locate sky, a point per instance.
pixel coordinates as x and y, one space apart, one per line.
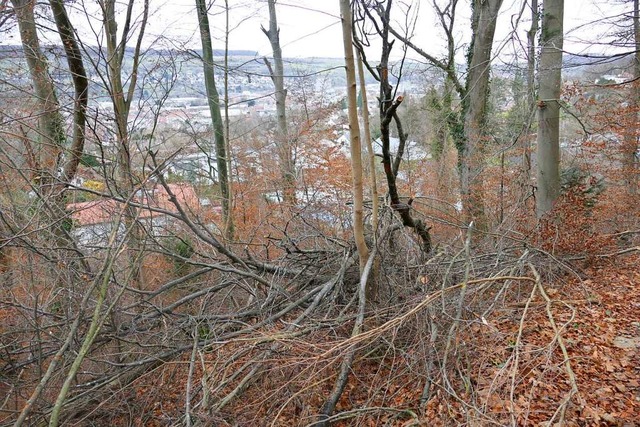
311 28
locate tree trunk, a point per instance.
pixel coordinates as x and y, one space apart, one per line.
121 99
50 155
550 81
229 226
372 285
630 142
354 133
51 127
531 96
214 108
485 13
287 164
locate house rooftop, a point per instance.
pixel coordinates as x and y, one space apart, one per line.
153 198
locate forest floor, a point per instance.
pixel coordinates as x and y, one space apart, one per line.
565 353
598 323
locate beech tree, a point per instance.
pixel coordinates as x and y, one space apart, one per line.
550 82
630 139
355 146
52 160
283 141
213 99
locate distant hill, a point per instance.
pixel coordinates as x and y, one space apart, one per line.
15 50
220 52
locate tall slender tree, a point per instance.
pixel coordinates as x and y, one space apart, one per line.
484 18
54 161
354 133
229 226
57 161
214 107
122 91
531 91
550 82
284 149
630 140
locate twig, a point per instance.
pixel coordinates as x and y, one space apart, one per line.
192 362
397 321
516 351
463 292
567 363
355 412
345 367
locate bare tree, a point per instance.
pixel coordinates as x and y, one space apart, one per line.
550 81
354 134
229 224
53 161
484 18
122 91
214 107
468 126
284 149
531 92
389 116
630 142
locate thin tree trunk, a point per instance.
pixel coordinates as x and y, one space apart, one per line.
388 108
531 95
372 288
354 133
214 107
121 100
229 224
51 126
287 164
550 81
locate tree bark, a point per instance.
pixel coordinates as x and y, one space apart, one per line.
285 154
214 107
50 157
531 94
485 14
630 140
550 82
354 133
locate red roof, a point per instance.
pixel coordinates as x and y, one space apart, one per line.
105 210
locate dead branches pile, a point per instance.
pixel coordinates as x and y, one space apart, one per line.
230 338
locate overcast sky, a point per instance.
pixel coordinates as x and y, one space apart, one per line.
311 28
